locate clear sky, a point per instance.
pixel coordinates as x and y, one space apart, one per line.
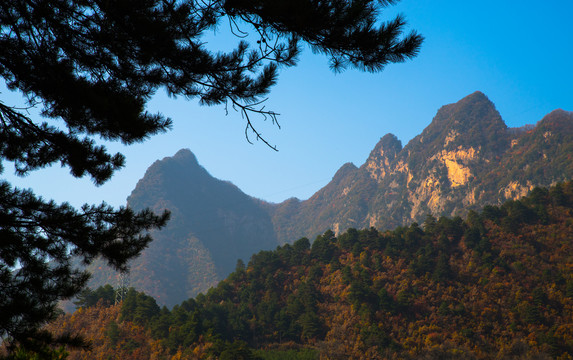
519 53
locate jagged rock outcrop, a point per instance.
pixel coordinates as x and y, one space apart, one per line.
382 156
466 158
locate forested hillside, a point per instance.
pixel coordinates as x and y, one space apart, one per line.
497 284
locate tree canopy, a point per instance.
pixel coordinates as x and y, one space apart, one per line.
92 65
448 289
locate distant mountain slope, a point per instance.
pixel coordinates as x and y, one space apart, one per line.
466 158
213 224
497 285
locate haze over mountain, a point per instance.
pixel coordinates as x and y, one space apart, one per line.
466 158
213 224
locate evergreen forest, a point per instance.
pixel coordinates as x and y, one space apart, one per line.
495 285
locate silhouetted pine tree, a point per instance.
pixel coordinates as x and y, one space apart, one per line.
94 65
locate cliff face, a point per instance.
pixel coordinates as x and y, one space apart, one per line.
382 156
445 163
466 158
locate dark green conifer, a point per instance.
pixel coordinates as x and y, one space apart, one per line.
93 65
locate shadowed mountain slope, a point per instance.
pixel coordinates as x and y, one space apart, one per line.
213 224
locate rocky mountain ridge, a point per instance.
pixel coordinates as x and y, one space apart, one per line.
465 159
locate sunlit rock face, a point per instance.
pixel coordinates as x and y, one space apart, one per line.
382 157
465 158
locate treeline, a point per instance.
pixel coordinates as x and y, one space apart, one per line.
498 284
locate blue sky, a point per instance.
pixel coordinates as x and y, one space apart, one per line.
519 53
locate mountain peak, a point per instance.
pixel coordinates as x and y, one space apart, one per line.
184 155
557 121
389 145
558 115
473 121
344 171
475 96
213 223
382 156
472 110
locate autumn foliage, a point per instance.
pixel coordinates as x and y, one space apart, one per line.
497 285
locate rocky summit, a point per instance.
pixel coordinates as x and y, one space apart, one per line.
466 158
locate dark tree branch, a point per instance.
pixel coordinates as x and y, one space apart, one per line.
93 65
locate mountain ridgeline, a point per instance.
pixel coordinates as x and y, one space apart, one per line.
465 159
